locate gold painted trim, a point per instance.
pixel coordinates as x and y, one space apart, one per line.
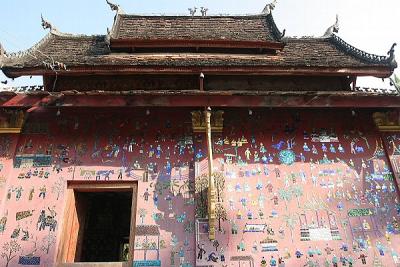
10 130
383 128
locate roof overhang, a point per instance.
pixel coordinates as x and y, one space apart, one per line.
379 72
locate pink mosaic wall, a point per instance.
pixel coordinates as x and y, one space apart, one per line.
303 187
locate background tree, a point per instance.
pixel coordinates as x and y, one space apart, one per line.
219 179
221 214
291 221
315 205
58 187
345 223
201 186
174 187
189 227
184 188
48 241
297 191
396 81
285 195
142 214
10 250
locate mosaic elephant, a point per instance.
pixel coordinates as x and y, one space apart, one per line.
51 222
46 221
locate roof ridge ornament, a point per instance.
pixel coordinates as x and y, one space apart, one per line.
2 51
203 11
371 58
269 7
115 7
332 29
108 37
192 11
283 34
391 59
47 25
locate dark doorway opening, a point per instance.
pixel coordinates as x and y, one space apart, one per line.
104 219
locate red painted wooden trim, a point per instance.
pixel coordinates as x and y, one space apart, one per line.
123 43
272 100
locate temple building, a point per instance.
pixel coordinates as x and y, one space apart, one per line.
198 140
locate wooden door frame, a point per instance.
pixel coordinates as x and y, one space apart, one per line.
67 245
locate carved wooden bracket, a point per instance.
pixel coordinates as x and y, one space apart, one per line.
387 121
11 121
198 121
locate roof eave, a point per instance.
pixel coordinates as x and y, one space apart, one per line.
377 71
342 45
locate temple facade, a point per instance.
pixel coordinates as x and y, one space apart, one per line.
198 141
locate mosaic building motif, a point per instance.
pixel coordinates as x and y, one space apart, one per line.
298 189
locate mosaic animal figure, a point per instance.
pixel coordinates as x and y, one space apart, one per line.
96 154
105 174
46 221
279 145
87 174
359 149
51 222
212 257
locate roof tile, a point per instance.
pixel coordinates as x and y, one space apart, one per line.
227 28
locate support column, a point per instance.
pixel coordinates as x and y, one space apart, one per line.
211 183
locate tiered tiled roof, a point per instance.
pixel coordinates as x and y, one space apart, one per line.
93 52
227 28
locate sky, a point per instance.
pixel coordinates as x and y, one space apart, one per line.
372 26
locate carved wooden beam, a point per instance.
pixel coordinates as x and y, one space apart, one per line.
387 121
12 121
199 121
206 98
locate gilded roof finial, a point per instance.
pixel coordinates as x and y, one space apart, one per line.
114 7
269 7
332 29
47 25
